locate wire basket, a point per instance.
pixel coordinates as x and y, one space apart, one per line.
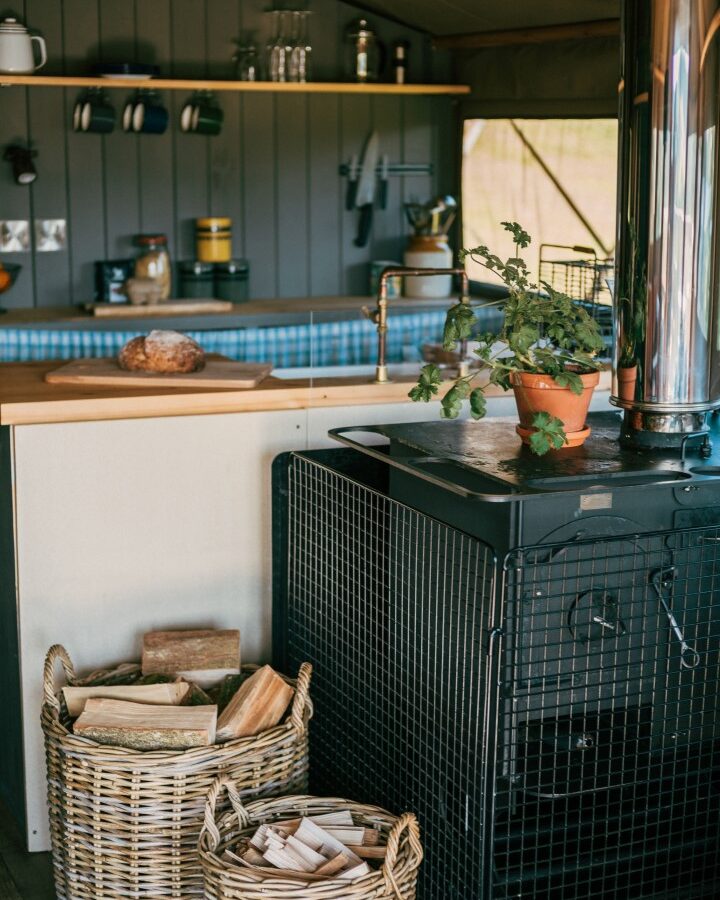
395 880
584 277
125 823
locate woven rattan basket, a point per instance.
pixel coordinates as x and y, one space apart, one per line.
396 880
125 823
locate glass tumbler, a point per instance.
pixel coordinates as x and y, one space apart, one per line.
277 47
300 52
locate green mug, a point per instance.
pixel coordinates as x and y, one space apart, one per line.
207 118
201 115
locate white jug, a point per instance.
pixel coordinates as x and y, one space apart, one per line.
16 50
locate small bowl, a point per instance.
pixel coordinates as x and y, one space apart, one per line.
11 269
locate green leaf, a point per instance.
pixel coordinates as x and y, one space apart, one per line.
451 403
458 325
427 386
570 380
521 237
478 404
539 443
500 377
522 339
549 433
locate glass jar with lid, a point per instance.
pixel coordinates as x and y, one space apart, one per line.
153 261
364 52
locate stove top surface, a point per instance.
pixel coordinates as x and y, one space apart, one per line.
486 460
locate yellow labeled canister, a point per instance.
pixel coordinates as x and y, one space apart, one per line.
213 239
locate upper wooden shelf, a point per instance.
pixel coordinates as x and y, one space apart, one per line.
185 84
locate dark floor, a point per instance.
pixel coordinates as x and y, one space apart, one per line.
23 876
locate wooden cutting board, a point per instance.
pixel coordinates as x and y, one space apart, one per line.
218 373
169 308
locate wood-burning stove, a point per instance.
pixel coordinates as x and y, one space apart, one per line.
525 652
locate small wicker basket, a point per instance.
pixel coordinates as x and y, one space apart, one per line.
396 880
125 823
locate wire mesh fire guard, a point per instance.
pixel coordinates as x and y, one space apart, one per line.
552 716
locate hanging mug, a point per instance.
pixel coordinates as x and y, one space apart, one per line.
201 115
149 116
207 119
93 113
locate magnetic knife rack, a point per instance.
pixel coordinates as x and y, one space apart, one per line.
393 169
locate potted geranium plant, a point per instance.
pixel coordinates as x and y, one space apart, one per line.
545 352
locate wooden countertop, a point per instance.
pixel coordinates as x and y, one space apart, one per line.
26 399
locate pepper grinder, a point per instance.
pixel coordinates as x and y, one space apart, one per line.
399 60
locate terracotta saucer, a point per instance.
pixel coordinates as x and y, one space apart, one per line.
574 438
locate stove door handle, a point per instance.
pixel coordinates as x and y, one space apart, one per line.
662 580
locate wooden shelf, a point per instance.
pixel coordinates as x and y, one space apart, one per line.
185 84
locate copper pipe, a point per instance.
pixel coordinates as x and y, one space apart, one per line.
380 314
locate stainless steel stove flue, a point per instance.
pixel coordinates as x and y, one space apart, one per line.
667 288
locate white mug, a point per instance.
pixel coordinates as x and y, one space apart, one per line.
16 49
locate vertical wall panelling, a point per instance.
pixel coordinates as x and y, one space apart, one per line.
356 123
258 152
273 169
258 149
15 199
326 25
122 176
389 224
417 147
447 143
46 126
84 179
224 25
326 194
155 151
292 199
189 34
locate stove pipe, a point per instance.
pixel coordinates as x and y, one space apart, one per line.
667 280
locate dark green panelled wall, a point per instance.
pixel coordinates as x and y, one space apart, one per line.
273 169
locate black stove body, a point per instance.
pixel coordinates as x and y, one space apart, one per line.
523 651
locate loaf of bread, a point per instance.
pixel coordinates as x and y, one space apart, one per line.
162 351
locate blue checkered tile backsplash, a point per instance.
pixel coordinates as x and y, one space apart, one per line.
324 344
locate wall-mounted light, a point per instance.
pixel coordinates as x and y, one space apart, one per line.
21 159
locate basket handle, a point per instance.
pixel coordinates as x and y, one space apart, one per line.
302 689
209 827
407 822
55 653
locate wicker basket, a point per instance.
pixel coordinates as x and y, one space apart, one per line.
396 880
125 823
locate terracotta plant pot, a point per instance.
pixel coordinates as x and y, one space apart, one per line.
627 379
541 393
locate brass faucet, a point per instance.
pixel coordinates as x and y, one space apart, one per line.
379 315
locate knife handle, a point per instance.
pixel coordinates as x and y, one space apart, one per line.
352 185
366 213
383 193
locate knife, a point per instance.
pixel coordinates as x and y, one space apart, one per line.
366 188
